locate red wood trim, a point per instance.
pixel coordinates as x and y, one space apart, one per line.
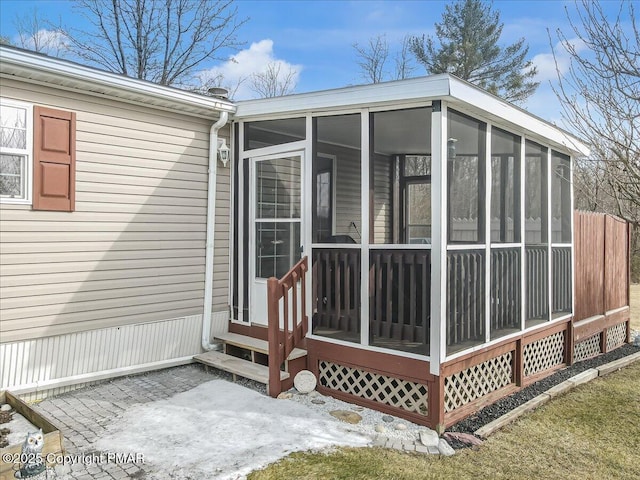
569 343
619 316
518 363
536 335
477 357
409 369
603 340
604 270
274 388
282 342
598 323
588 327
255 331
436 402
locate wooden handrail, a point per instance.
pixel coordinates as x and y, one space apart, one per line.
282 342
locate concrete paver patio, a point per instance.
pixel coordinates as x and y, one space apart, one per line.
84 414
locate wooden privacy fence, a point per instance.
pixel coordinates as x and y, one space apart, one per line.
601 264
602 278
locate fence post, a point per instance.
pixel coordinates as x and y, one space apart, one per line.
629 279
274 386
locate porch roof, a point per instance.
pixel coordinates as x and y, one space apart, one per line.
415 90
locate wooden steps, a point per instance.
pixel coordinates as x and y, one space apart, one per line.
239 366
254 344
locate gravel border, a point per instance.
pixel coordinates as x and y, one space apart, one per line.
410 431
504 405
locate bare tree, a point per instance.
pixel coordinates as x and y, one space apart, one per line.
404 59
274 80
38 34
372 58
600 96
158 40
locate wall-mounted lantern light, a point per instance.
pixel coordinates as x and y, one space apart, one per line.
451 148
223 151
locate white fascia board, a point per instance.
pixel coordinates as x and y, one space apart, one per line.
21 63
415 89
422 89
501 111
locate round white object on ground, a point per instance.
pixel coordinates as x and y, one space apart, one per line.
305 381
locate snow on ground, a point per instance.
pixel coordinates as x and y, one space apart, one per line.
221 430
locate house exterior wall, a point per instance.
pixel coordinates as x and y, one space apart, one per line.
347 190
133 250
382 195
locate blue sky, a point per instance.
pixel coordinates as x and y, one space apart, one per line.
316 37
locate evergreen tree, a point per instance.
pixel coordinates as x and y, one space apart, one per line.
466 45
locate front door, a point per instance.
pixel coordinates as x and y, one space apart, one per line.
276 207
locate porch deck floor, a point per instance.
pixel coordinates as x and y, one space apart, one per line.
387 343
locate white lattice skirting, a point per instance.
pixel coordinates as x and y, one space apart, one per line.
392 391
587 348
543 354
477 381
616 335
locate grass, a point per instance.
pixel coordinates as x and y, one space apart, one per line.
635 306
589 433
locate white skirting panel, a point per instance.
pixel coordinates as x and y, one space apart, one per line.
92 352
219 323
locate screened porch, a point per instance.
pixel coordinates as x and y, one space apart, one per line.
429 229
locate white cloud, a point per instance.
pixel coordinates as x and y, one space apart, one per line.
236 72
51 42
548 67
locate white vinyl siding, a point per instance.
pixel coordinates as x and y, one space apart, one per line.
347 190
382 215
134 249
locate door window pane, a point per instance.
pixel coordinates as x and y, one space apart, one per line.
278 188
277 248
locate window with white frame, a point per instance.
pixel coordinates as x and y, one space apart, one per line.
15 151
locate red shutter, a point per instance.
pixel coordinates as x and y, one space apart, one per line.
54 160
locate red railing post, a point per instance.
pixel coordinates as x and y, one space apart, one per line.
277 289
274 387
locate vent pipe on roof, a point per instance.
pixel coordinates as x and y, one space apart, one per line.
211 221
218 92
